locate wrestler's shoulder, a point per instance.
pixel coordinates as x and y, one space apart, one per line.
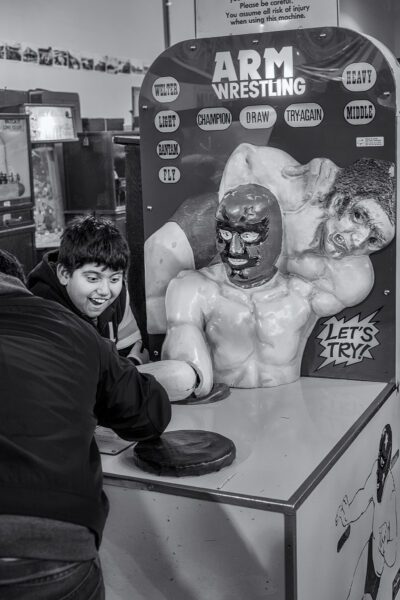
206 275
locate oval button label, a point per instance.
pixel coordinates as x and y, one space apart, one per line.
168 149
169 174
214 118
304 114
167 120
257 117
359 112
165 89
359 77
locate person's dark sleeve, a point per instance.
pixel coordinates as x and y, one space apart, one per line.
133 404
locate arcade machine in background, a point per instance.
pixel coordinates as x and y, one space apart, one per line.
17 229
95 177
54 119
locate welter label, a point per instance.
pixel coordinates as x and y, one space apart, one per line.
304 115
257 117
168 149
359 77
359 112
167 121
165 89
213 119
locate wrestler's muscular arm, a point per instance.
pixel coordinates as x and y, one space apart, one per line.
185 304
336 283
264 166
292 183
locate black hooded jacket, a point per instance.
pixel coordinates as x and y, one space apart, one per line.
58 380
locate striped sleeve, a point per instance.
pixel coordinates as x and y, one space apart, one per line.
128 330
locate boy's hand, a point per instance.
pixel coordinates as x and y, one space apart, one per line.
139 353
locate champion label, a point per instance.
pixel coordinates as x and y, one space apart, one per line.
359 112
257 117
165 89
168 149
214 118
359 77
304 114
167 120
169 174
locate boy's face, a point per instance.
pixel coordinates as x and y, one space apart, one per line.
91 288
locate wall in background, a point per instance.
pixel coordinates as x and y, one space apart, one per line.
380 19
130 29
121 28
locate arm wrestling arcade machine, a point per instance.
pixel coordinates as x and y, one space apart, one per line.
231 128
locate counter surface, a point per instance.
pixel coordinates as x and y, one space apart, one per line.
281 435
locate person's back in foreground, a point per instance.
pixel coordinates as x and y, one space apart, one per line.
87 275
59 378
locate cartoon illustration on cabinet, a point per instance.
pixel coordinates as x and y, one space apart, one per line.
375 500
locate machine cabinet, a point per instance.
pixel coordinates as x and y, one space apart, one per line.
95 177
270 525
17 230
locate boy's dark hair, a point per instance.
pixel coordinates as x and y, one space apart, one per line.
93 240
10 265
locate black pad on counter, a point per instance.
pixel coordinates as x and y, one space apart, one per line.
185 452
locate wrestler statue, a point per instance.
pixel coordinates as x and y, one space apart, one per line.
241 321
330 214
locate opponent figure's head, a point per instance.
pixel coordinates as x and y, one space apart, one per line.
360 209
249 234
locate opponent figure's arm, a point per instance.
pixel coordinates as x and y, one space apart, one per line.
185 340
166 252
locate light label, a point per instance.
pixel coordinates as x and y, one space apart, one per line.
167 120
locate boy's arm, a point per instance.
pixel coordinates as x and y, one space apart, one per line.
133 404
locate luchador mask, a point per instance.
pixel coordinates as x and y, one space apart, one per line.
249 234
